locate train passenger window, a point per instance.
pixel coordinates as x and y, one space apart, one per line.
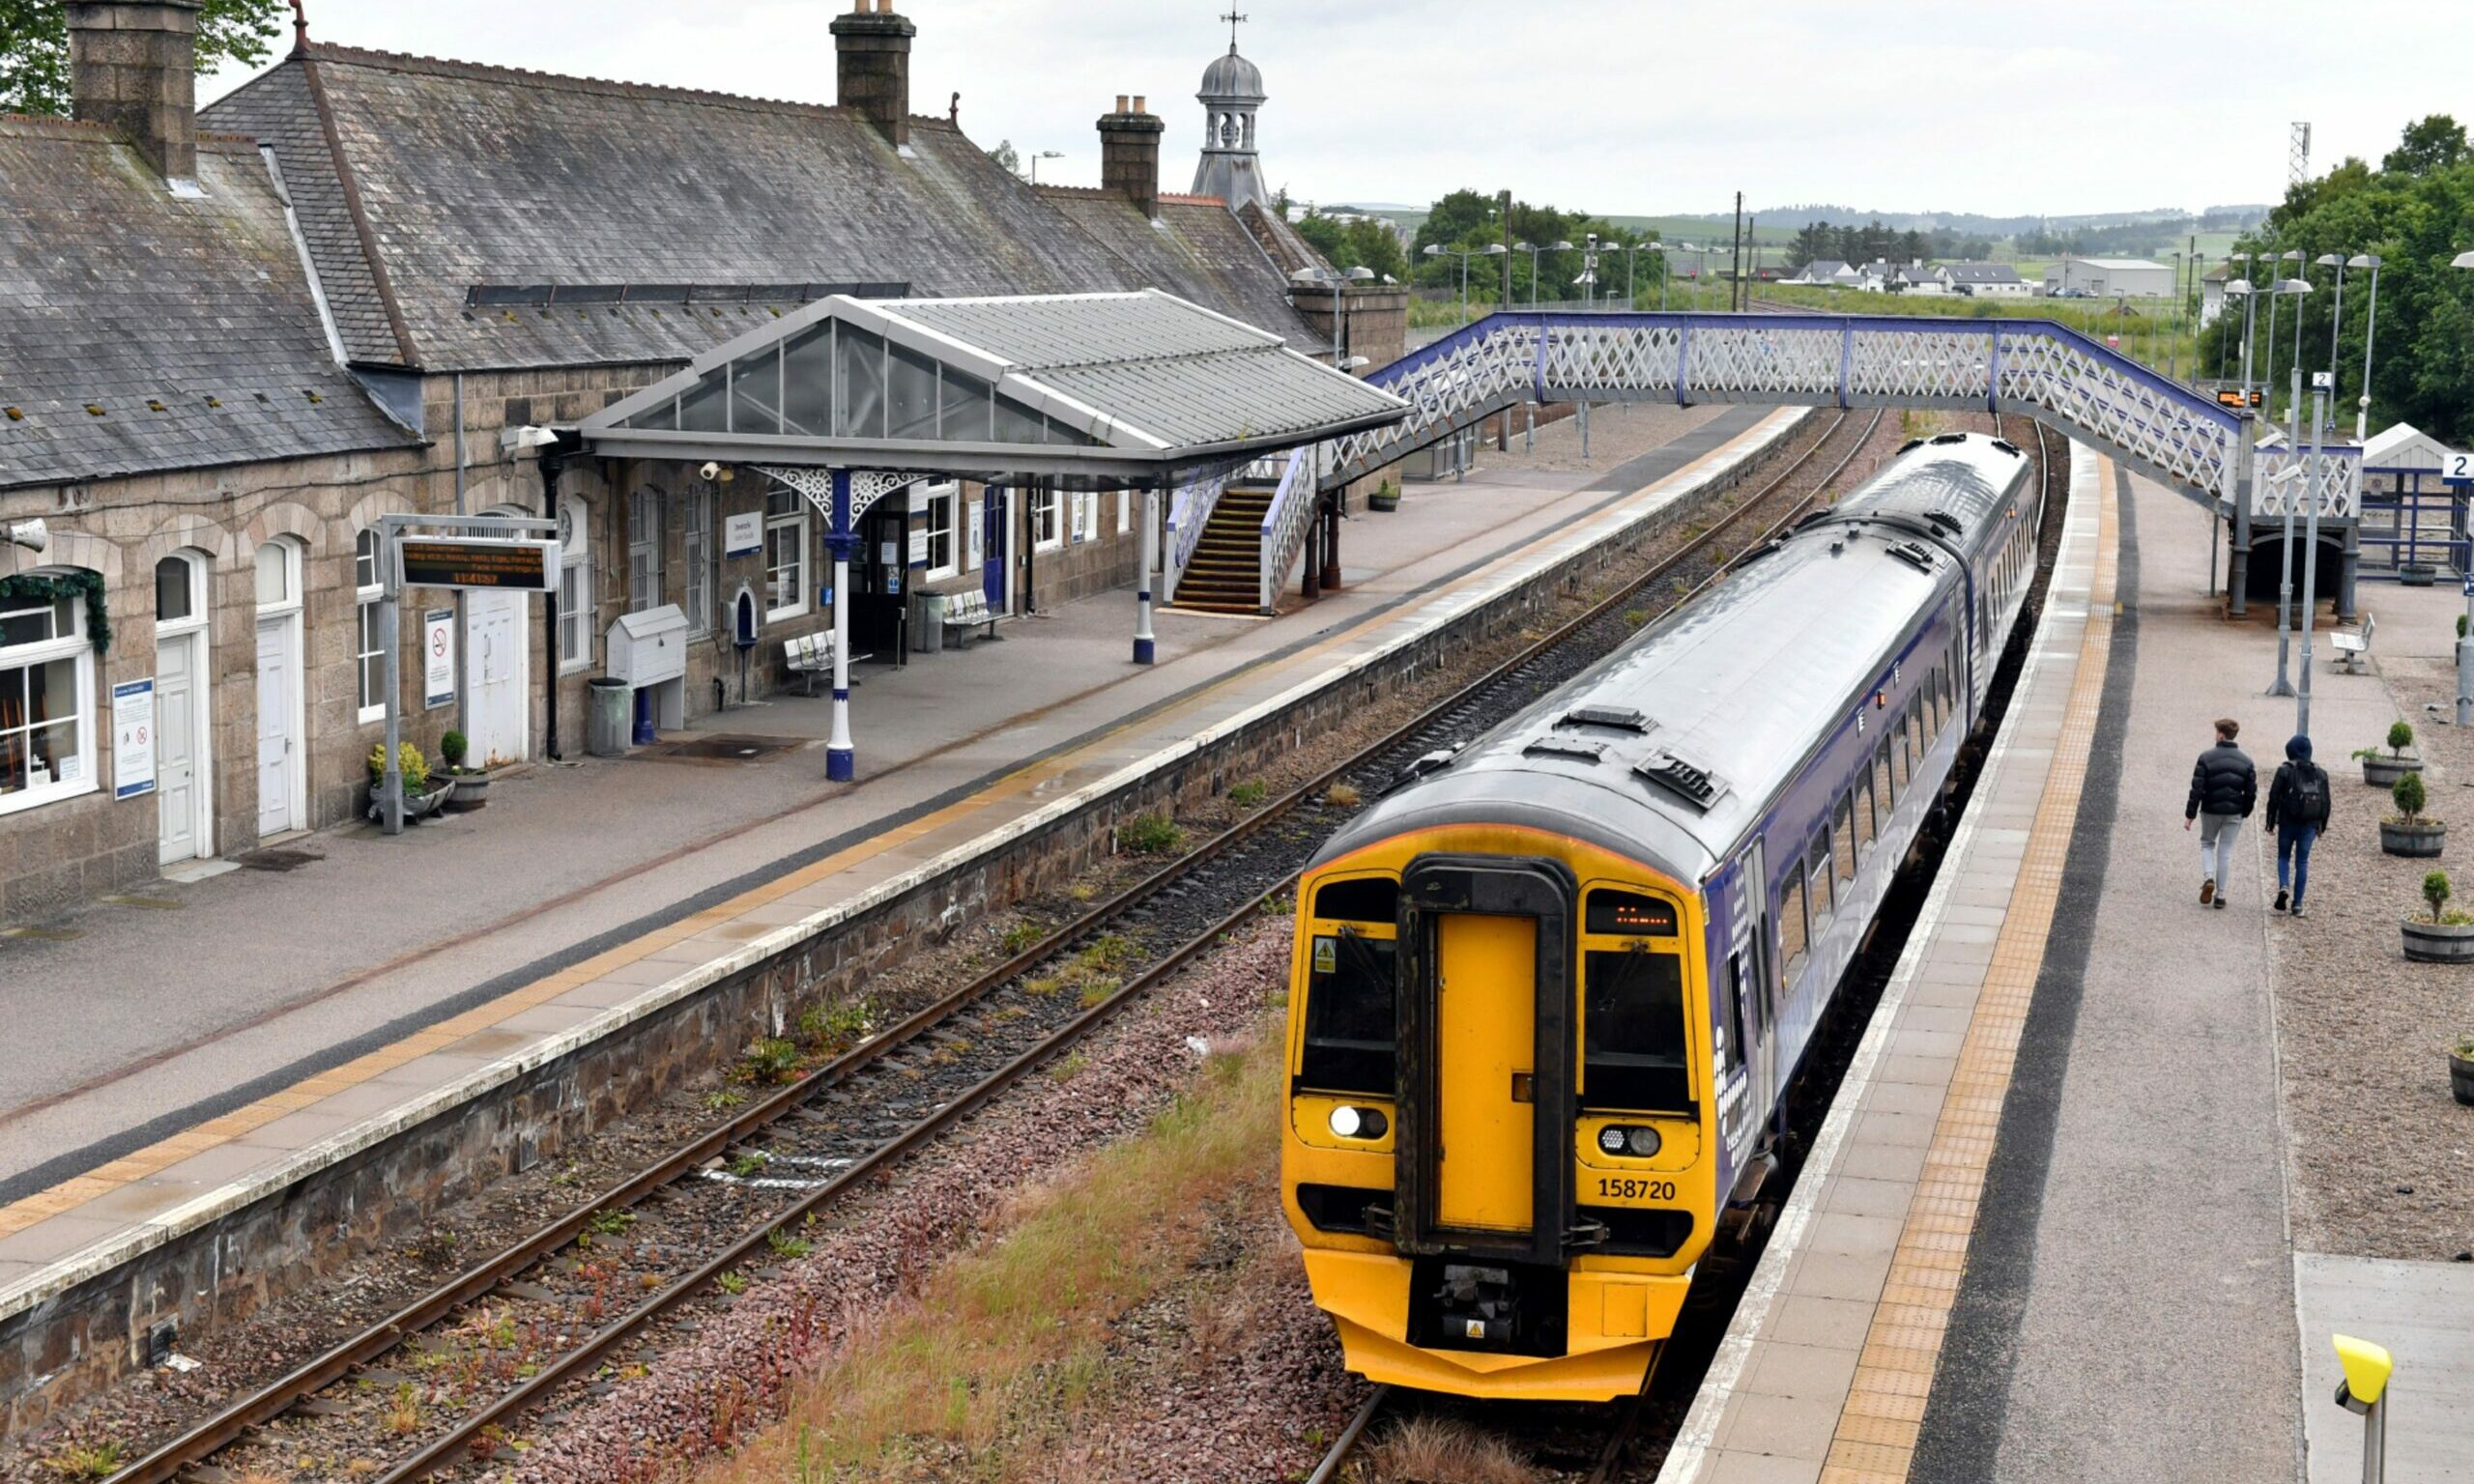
1842 825
1350 1015
1738 991
1817 875
1916 731
1792 930
1867 826
1364 900
1632 1037
1885 787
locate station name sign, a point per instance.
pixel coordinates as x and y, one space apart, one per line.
522 567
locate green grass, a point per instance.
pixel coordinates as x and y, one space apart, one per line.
2143 327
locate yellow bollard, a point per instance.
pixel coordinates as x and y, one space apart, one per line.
2364 1389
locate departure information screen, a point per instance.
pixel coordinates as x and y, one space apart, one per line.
1629 915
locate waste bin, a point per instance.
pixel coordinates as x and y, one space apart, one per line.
932 622
605 720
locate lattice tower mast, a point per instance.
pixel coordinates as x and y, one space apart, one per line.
2297 167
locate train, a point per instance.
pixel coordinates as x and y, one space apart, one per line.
1548 989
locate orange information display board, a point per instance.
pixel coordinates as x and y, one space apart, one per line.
429 561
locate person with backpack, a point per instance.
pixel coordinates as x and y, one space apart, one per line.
2223 787
2298 801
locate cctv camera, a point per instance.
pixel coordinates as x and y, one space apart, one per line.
709 472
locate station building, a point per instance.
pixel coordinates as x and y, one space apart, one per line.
369 284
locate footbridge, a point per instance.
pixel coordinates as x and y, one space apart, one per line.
2033 368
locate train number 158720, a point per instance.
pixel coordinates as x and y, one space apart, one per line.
1623 1188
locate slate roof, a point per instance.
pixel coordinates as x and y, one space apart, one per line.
115 294
469 175
1195 249
1981 272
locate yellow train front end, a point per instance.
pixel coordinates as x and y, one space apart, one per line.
1500 1154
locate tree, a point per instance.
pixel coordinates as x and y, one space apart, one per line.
34 46
1007 157
2429 144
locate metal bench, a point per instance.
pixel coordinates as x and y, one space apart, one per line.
810 655
2353 648
967 610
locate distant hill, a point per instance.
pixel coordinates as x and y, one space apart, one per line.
1971 223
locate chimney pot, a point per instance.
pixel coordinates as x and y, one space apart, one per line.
132 67
1120 103
1137 104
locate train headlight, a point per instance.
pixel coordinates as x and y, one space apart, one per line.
1638 1140
1351 1123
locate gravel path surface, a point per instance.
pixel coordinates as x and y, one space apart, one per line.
2382 1156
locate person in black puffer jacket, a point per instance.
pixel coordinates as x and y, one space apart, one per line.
2298 802
2223 787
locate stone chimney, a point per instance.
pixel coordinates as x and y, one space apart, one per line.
872 48
1129 155
132 67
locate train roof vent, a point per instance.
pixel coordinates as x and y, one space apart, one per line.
1913 555
1578 749
1432 762
1944 519
1911 444
1950 438
2009 447
1695 785
1622 718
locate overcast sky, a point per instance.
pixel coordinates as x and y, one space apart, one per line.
1614 106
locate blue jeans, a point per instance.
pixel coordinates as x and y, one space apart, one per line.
2293 848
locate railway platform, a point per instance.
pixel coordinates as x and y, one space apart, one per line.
2057 1226
317 1013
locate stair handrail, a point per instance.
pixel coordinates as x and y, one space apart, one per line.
1288 520
1189 510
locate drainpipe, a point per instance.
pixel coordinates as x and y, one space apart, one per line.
554 463
463 691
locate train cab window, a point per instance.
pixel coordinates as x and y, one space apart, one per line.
1350 1014
1362 900
1817 875
1867 824
1632 1030
1792 930
1842 827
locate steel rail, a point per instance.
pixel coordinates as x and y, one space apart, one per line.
1346 1444
235 1421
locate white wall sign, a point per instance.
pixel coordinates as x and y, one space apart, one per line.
2456 467
978 533
919 548
133 738
743 534
438 658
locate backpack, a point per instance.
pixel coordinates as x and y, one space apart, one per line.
2307 800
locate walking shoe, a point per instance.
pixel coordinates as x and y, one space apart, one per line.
2297 910
2220 904
2280 899
2207 891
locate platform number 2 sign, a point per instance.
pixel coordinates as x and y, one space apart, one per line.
2456 467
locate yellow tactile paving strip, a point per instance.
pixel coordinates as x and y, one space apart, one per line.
238 1125
1874 1441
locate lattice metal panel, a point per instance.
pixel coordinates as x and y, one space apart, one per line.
1450 383
1908 366
1620 357
2337 482
1760 363
2096 394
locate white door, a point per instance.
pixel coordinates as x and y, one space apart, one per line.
279 713
497 665
180 764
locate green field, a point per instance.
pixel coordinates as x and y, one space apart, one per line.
2145 329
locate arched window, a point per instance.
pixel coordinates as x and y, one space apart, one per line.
279 577
46 692
180 596
575 587
369 658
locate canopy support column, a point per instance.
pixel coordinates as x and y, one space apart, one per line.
841 758
1145 650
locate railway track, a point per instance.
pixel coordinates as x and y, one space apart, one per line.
546 1312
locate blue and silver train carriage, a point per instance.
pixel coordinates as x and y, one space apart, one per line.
1545 997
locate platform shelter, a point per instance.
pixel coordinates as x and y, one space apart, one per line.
848 400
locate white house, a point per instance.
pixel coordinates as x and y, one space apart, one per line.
1827 272
2109 278
1998 280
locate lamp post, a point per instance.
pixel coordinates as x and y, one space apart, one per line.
2336 320
2464 641
1464 254
2323 382
1040 155
1530 248
2276 267
2231 280
2173 326
2371 329
2293 451
1559 246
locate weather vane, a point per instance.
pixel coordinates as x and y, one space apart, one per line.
1232 17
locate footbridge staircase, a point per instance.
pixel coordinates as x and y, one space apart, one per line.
2034 369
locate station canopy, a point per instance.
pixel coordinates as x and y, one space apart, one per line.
1127 387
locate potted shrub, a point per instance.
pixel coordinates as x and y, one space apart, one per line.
2406 831
2446 935
1386 497
471 785
2461 1069
424 795
2382 772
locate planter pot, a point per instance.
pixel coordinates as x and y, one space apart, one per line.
2383 772
1383 502
2438 942
2420 839
417 806
2415 573
2461 1078
471 793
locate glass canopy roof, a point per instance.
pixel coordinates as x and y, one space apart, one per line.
1102 384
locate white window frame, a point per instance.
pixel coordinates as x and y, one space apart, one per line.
576 606
644 549
793 518
75 646
1048 523
368 549
943 506
695 552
